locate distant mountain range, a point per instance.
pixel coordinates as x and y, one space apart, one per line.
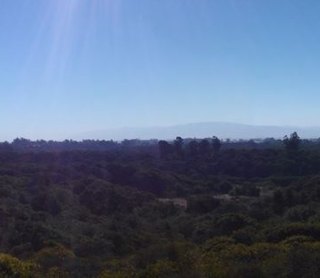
202 130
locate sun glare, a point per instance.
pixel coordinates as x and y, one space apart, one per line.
66 25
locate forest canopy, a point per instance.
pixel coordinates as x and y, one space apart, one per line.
182 208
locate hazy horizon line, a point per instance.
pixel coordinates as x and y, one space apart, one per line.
119 133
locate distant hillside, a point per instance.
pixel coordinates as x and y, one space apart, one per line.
201 130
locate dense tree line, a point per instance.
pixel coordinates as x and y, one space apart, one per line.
182 208
190 145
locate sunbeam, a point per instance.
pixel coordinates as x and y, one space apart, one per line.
66 27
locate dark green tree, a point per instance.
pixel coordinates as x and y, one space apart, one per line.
165 149
178 146
216 144
292 143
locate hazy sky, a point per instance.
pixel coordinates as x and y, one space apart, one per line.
68 66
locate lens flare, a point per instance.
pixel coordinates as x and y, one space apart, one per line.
67 25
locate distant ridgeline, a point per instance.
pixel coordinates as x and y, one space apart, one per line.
187 145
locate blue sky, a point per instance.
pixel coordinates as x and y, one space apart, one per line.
69 66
